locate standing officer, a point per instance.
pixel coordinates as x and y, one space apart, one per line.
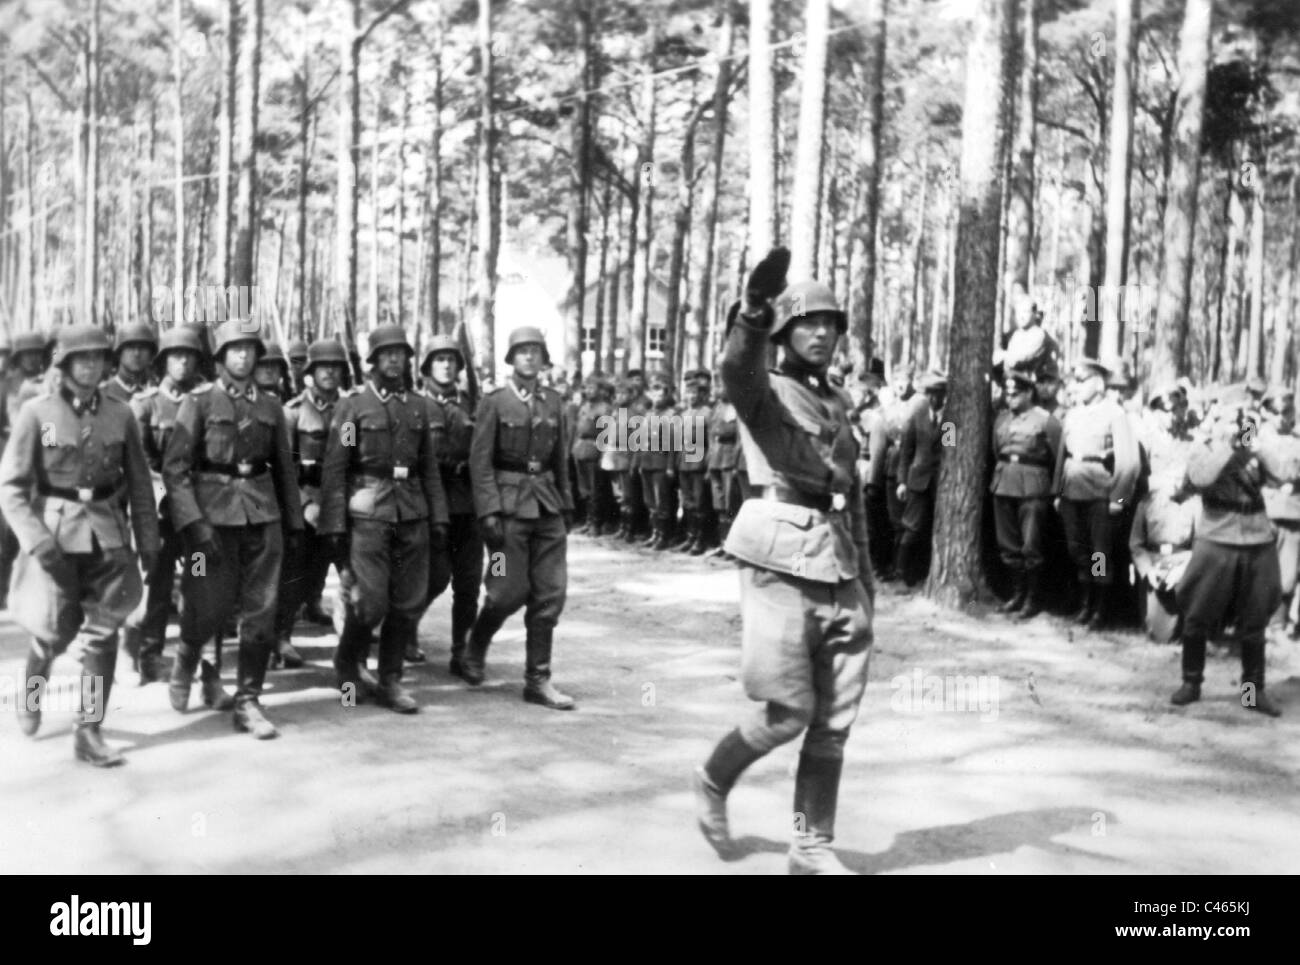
658 463
178 358
1025 441
1096 471
724 444
522 496
73 467
308 418
617 460
234 500
1160 545
806 591
384 508
919 452
133 354
453 426
586 454
693 465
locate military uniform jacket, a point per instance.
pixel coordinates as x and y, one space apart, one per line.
882 452
308 418
636 410
1162 532
228 461
694 454
920 447
793 433
724 437
71 473
120 391
1229 481
518 460
659 454
586 428
155 410
1024 445
1099 457
1279 453
453 431
381 462
18 390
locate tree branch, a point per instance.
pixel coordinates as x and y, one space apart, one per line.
383 15
67 105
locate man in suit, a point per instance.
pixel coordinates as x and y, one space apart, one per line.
920 450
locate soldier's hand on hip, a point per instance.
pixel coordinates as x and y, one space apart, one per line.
438 537
494 533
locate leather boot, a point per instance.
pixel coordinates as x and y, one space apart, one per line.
348 668
1100 608
1252 679
816 794
1017 599
214 695
724 527
96 684
687 535
313 612
538 688
395 697
133 643
412 653
701 544
627 533
1189 692
39 660
286 654
151 664
184 664
1033 595
655 535
713 782
249 718
472 663
1085 612
1193 671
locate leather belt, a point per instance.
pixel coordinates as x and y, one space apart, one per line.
242 470
1015 457
1247 505
532 467
795 497
1107 461
398 473
82 494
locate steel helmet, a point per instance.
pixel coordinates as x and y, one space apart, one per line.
137 333
440 343
297 350
75 339
804 298
235 331
326 351
274 353
527 335
388 336
181 339
28 342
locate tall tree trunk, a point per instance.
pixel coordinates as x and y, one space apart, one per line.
1020 200
349 132
762 131
146 212
1283 334
243 267
602 280
580 184
1255 271
916 316
615 293
373 300
1117 189
178 262
306 110
399 225
681 230
805 204
937 301
32 248
634 350
955 574
489 196
862 334
226 137
433 179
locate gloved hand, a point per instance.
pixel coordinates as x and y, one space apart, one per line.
200 538
55 563
494 532
438 537
337 546
767 280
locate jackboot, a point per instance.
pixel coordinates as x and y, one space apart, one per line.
313 612
39 660
151 665
702 542
348 669
627 528
88 743
1033 595
1085 612
538 688
395 697
1100 606
684 540
214 695
1017 599
1252 679
286 654
1193 672
250 719
472 663
184 664
724 527
713 782
656 534
816 794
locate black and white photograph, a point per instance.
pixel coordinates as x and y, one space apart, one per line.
651 437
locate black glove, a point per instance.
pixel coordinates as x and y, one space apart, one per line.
438 537
55 563
200 538
337 546
494 533
767 280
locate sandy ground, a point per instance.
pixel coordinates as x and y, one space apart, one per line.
1069 759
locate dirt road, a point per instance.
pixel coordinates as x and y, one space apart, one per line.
1050 754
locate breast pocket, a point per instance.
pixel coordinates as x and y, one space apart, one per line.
512 436
375 442
114 453
63 459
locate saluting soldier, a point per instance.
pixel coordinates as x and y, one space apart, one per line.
384 510
453 427
724 446
133 354
806 591
1096 471
234 501
693 465
179 354
72 471
308 418
1025 441
920 450
524 505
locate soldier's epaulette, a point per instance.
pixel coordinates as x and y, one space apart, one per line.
201 388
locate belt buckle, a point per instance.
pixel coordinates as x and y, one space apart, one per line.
244 468
838 502
308 462
1166 549
401 472
85 494
534 466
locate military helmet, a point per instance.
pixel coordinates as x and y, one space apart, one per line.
75 339
326 351
803 298
274 353
388 336
180 339
28 342
527 335
440 343
236 331
297 350
137 333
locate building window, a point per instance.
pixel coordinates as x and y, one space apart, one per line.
588 339
655 340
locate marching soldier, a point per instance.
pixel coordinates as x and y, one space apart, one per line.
308 418
693 466
1234 558
179 354
234 502
724 444
1096 471
806 591
523 501
73 469
1025 441
453 425
586 454
133 354
385 511
919 452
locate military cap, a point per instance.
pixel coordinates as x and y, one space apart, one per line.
662 377
28 342
274 353
1019 377
235 331
527 335
934 381
1048 368
326 351
699 375
179 339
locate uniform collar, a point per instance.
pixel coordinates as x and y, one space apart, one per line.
91 405
317 402
131 388
800 371
168 385
450 394
234 391
522 391
383 395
